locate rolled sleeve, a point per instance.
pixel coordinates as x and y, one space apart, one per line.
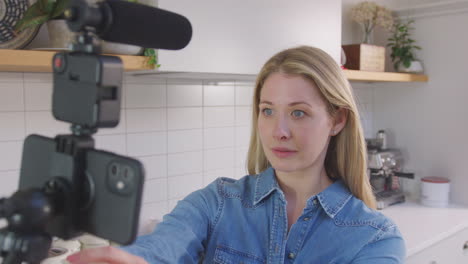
182 235
387 248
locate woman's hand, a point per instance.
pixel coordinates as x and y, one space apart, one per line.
110 255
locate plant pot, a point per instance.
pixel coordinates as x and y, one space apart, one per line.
415 67
60 36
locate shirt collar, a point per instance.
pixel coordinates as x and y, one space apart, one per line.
266 183
332 199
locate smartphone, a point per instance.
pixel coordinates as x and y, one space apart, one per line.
104 201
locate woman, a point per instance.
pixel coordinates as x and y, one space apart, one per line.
308 198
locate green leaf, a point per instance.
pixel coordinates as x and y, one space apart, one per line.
152 58
50 6
41 5
407 63
61 6
33 16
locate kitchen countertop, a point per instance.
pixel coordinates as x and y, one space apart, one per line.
424 226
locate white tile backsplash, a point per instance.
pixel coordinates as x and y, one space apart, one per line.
15 129
185 133
9 180
147 144
112 143
145 95
185 140
241 157
215 159
218 95
9 77
184 95
218 116
244 94
155 190
155 166
210 176
11 96
240 172
221 137
184 118
184 163
143 120
38 96
43 123
33 77
242 136
10 155
181 186
243 115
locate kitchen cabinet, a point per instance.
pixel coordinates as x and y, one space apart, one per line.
239 36
453 249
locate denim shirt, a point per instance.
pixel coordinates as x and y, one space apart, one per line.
245 221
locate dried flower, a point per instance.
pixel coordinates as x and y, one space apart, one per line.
369 15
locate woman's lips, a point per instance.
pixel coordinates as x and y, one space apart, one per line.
283 152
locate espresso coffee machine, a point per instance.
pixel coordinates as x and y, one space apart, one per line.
385 167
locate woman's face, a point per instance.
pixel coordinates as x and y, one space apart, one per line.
293 123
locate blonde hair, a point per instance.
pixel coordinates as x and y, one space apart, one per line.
346 156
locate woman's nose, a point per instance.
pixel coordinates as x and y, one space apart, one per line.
281 129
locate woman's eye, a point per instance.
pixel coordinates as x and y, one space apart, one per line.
298 113
267 111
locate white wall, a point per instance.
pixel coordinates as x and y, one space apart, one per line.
426 120
429 120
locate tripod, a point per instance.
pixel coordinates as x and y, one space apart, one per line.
66 186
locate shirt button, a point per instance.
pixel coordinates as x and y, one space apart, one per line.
291 255
315 202
306 218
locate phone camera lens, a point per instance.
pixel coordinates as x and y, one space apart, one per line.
114 169
127 173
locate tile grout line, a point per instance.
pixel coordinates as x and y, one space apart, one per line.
203 136
235 130
167 146
24 105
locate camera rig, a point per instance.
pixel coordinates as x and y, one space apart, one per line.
86 94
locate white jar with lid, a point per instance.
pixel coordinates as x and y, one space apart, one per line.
435 191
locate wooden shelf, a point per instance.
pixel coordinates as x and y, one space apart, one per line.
365 76
41 61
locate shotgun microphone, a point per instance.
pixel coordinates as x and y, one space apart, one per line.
131 23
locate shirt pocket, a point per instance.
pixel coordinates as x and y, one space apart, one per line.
228 255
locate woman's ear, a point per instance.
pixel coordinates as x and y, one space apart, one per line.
340 119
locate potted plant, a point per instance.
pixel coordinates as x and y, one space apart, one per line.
369 15
364 56
403 47
40 12
51 12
